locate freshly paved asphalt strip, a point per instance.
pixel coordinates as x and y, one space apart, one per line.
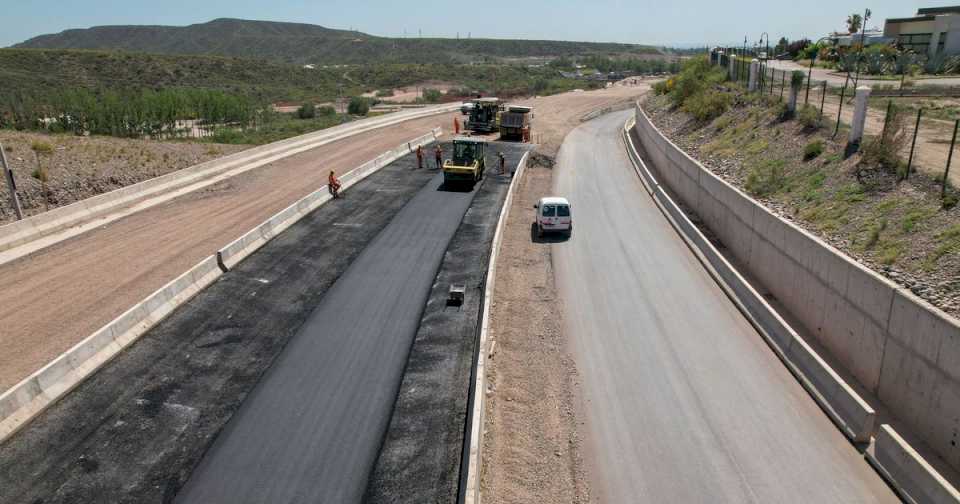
311 429
133 431
684 401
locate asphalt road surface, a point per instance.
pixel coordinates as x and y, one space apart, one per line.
684 401
311 429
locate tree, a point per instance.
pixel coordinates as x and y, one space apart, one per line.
854 22
781 45
307 111
358 106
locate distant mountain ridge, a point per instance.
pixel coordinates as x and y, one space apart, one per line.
306 43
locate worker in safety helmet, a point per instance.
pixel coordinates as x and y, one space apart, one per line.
438 156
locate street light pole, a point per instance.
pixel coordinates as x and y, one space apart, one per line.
863 42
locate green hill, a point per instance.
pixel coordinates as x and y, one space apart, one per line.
311 44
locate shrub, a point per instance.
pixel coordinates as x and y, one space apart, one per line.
384 93
326 111
358 106
661 87
41 147
707 105
432 95
696 76
809 117
766 178
883 152
797 78
812 150
949 201
307 111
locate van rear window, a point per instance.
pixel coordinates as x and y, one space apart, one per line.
563 211
549 210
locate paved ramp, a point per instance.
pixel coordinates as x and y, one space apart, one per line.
685 402
311 429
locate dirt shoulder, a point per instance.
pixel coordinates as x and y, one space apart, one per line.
81 167
533 450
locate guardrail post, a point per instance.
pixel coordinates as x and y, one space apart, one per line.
752 83
859 114
11 184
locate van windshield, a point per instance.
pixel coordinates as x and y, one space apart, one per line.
549 210
563 211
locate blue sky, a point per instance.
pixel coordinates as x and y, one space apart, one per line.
647 21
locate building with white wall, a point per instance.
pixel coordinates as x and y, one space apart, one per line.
932 31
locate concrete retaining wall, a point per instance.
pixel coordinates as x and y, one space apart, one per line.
470 493
230 255
918 483
33 228
25 400
898 347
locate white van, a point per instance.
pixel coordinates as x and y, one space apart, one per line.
553 215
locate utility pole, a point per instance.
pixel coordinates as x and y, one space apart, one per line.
11 184
863 42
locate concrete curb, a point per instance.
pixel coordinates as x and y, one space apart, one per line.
35 393
478 391
33 233
27 399
843 405
916 481
230 255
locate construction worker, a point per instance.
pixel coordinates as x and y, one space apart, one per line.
456 126
438 156
420 156
503 163
333 184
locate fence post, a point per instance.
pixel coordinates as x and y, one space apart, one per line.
752 83
773 77
731 63
946 173
913 144
859 114
886 121
11 184
794 93
843 93
823 99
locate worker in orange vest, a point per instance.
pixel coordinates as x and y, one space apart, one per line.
419 156
438 156
456 126
333 185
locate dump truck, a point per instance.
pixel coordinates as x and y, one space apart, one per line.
467 164
515 123
484 115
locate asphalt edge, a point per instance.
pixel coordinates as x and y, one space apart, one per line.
23 237
907 472
473 443
35 393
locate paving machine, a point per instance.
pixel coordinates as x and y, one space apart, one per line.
483 116
467 164
515 123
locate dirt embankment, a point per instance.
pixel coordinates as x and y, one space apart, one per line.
81 167
898 228
533 449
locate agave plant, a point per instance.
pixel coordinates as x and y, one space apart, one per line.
940 64
875 63
903 62
847 62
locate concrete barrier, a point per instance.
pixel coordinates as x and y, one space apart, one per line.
474 441
900 349
33 233
230 255
31 396
917 481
